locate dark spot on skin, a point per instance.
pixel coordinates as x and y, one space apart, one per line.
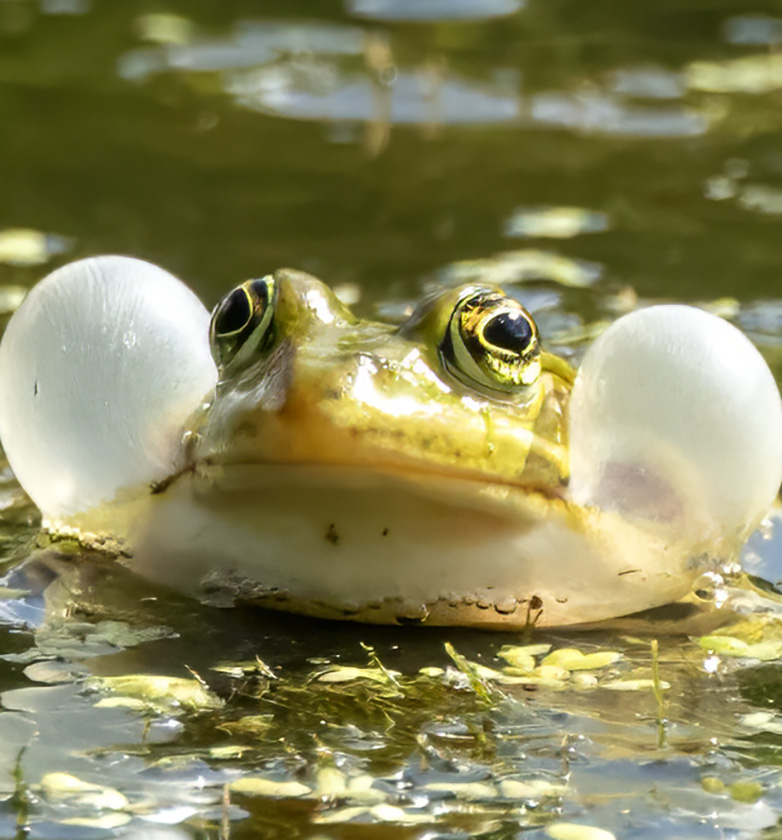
534 611
161 486
385 532
35 388
331 535
156 487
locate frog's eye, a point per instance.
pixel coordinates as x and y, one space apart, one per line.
242 322
491 343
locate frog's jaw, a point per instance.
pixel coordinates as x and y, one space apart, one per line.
99 368
351 544
676 423
389 548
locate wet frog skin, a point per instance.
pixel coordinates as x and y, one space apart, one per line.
448 470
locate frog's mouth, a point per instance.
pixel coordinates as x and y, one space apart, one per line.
538 477
453 485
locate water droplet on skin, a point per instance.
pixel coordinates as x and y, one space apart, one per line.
711 587
711 664
506 605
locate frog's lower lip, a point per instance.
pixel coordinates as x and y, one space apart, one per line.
460 481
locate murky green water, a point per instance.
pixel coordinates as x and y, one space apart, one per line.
386 145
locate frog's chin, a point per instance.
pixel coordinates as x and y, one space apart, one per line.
380 547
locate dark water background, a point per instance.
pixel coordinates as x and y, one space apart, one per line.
385 145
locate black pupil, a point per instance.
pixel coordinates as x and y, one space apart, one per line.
509 331
234 313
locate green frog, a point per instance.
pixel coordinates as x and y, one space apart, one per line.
445 471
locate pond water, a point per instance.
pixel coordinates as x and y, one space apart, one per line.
591 155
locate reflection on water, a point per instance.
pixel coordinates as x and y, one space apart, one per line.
536 107
318 92
22 247
522 266
295 71
753 30
594 161
251 43
433 10
554 222
594 113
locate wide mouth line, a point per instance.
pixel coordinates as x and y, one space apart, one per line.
409 470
